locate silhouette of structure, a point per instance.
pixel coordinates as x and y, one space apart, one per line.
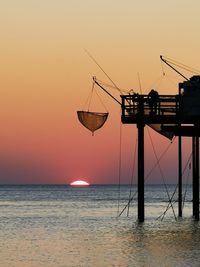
175 115
170 115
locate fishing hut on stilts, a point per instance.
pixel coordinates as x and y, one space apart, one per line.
174 114
170 115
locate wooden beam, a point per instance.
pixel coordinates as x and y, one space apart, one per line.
180 176
195 149
140 172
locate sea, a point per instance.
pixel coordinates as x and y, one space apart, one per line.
64 226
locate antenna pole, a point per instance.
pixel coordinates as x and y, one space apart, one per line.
167 63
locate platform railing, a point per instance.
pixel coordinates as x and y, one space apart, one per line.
142 105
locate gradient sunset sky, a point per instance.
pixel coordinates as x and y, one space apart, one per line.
46 76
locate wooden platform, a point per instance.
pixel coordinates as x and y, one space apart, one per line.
169 110
178 114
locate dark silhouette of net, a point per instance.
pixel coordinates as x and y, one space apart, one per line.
92 120
158 128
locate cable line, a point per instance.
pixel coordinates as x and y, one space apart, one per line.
147 176
88 100
132 176
162 175
168 206
101 100
112 86
102 70
189 171
183 66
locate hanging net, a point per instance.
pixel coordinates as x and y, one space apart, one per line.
158 128
92 120
168 108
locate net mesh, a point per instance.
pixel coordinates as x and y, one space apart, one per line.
158 128
92 120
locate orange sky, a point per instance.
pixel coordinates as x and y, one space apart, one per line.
46 76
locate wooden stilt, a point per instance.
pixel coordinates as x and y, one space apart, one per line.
140 172
175 116
193 173
179 176
197 180
195 153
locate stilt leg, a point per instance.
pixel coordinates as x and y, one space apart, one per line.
140 172
179 176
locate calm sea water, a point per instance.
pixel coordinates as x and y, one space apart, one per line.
58 226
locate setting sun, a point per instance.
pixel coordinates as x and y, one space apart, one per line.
79 183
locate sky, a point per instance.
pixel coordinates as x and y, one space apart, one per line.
46 76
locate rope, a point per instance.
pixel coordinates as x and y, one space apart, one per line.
147 177
170 202
88 100
189 170
91 94
140 85
168 206
127 204
103 70
132 175
111 86
157 162
157 82
162 175
184 196
170 78
101 101
183 66
162 67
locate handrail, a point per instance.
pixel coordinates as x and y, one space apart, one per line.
141 105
